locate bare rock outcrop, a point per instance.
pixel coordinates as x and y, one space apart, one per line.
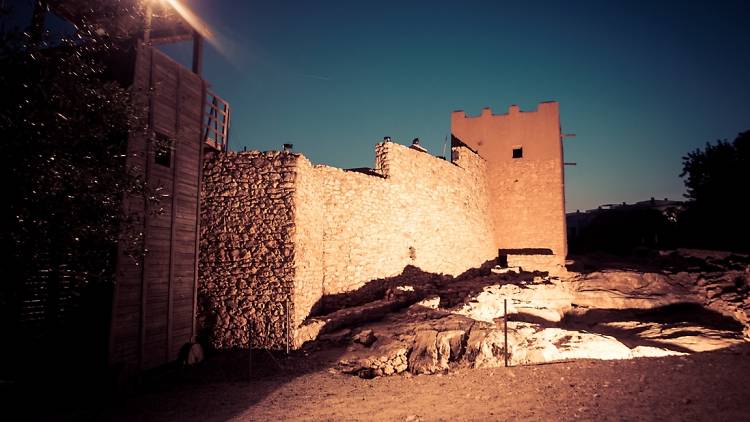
424 354
450 347
601 315
485 348
627 290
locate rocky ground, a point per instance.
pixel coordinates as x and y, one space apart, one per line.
674 304
663 337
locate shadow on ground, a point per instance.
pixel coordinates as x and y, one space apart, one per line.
636 327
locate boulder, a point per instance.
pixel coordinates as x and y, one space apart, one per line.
485 348
365 337
424 355
449 347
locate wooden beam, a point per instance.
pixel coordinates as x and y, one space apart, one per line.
148 24
197 53
202 156
176 147
158 38
149 51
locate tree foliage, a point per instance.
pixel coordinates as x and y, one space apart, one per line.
65 124
716 179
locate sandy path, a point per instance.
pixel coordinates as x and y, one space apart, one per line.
703 386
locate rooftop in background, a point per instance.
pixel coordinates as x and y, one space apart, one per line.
660 204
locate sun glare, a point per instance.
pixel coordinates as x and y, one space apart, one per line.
196 23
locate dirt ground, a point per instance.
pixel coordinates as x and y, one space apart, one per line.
309 384
701 386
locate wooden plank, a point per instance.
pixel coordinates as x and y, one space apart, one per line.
160 176
159 233
129 297
165 79
156 254
186 236
161 213
146 171
155 332
158 251
189 197
158 289
163 105
175 165
185 247
156 351
191 153
160 223
183 321
157 308
188 167
183 302
185 213
196 230
185 183
164 127
184 267
165 87
185 222
157 272
186 176
180 337
191 146
193 111
157 297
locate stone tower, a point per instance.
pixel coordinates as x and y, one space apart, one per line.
525 180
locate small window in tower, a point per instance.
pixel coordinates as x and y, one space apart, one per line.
518 152
163 146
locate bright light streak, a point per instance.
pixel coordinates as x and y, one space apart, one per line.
197 23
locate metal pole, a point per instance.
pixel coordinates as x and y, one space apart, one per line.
505 329
250 347
286 303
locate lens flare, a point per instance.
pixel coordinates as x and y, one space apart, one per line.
198 24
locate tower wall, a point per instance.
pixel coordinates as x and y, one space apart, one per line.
527 199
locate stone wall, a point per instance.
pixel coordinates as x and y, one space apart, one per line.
246 270
420 210
274 228
528 194
309 240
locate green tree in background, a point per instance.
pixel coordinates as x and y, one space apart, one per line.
717 179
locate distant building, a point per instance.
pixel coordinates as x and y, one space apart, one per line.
622 227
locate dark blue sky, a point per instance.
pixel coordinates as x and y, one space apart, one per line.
640 83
